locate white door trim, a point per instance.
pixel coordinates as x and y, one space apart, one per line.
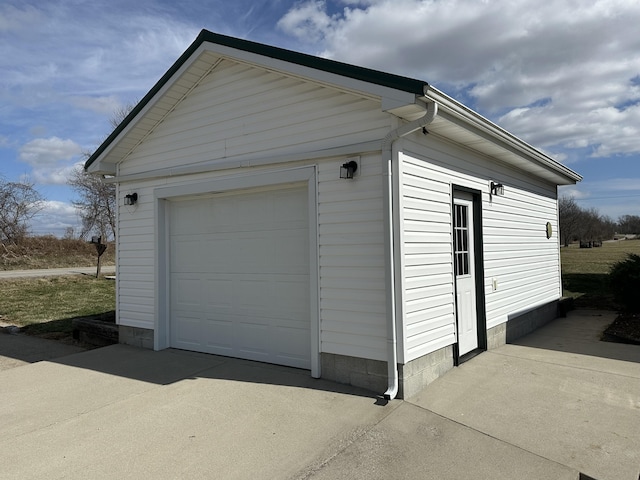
305 175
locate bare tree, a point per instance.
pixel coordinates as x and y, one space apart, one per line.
629 224
97 204
97 198
586 225
570 219
19 202
120 113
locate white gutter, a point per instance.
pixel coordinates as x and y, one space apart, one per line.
452 110
387 169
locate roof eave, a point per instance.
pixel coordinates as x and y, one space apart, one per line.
501 136
405 88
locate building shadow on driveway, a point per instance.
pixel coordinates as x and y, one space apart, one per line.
171 365
580 332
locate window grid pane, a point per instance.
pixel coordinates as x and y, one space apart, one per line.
461 240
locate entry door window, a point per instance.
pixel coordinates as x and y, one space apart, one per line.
461 239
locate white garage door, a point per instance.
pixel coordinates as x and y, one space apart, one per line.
240 276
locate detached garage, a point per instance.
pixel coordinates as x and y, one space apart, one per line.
304 212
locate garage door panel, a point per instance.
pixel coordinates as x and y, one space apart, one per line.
218 333
291 252
254 297
284 353
218 295
186 293
295 286
240 276
187 331
182 257
288 208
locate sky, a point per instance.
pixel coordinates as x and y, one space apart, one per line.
564 75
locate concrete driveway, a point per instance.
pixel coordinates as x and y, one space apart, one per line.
547 408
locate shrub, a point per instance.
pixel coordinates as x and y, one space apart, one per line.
624 278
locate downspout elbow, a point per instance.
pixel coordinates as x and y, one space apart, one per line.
387 169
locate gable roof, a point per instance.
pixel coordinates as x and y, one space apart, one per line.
400 93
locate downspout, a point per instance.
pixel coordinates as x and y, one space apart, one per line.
387 169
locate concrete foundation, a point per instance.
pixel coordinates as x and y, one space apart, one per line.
523 323
419 373
359 372
497 336
136 337
372 374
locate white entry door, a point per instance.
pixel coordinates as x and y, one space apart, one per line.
463 253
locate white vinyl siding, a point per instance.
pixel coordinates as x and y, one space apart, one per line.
517 254
427 269
352 289
243 111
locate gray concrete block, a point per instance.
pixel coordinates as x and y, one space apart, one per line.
521 324
136 337
355 371
496 336
418 373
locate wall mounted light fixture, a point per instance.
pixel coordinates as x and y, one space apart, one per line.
348 169
497 189
130 198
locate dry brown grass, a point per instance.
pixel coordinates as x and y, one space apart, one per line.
51 252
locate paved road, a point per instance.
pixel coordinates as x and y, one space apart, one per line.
53 272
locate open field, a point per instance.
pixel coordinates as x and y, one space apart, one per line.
45 306
585 272
51 252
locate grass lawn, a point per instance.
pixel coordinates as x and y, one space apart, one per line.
585 272
45 306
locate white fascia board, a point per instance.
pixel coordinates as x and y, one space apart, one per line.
102 168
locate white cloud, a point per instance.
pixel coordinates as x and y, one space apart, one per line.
555 73
105 105
573 191
55 218
51 159
308 21
47 152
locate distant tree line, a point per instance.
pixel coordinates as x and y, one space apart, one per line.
629 224
586 224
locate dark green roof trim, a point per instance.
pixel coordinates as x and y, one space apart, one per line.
331 66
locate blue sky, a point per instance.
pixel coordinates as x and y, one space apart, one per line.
563 75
